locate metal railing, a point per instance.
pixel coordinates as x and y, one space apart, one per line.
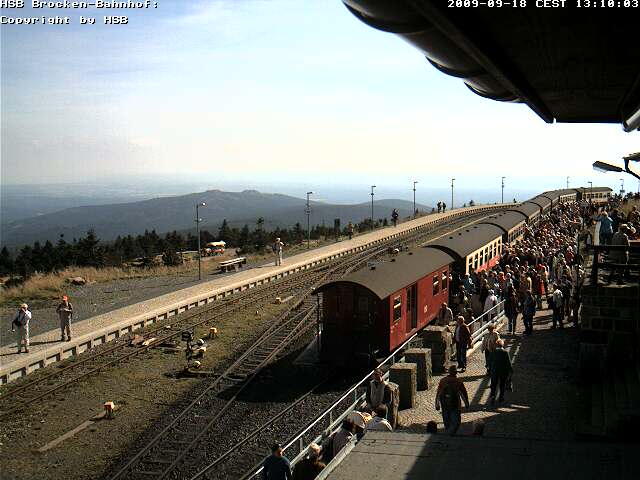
333 419
479 325
330 417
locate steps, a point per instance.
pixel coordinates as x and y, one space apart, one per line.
611 407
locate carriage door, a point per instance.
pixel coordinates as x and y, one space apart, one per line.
412 307
363 325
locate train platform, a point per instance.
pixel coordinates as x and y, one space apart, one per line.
414 456
46 348
532 433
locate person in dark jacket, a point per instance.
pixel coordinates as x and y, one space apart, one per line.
449 396
276 466
528 312
462 337
500 371
310 466
511 310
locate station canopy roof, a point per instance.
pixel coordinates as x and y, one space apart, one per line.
567 64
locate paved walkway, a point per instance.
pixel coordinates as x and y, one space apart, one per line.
543 403
46 347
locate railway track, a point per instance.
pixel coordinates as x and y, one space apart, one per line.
167 451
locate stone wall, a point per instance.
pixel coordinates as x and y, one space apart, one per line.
610 324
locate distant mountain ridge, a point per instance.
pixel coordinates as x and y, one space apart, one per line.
165 214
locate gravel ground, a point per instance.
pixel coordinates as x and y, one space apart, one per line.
145 395
98 298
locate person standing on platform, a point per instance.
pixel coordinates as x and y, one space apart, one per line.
377 393
444 207
528 312
501 370
350 230
511 310
277 249
439 207
21 323
449 396
606 228
445 315
489 345
557 304
394 217
65 312
276 466
462 337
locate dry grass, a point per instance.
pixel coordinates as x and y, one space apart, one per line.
51 285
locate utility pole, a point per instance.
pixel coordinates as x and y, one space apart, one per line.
308 210
590 190
198 220
414 199
502 197
451 207
622 186
567 182
372 187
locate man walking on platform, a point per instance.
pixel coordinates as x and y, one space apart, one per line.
449 396
500 371
462 337
528 312
276 466
277 249
65 312
21 322
557 303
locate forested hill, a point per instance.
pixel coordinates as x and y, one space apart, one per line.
178 213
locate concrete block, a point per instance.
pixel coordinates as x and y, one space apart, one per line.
433 333
422 358
405 376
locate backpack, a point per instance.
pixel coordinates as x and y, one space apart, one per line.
449 397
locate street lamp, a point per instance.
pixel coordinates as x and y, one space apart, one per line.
414 199
621 186
451 208
567 182
372 187
591 187
607 167
308 210
198 220
502 197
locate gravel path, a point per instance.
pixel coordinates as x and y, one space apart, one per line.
98 298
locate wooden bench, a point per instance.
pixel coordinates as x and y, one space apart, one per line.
233 264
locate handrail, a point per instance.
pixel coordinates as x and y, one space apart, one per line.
485 319
329 411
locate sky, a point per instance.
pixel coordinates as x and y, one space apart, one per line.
266 93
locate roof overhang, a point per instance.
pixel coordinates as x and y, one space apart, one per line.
574 65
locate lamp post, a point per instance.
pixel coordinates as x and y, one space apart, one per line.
308 211
451 208
198 220
567 182
590 191
414 199
621 186
502 197
372 187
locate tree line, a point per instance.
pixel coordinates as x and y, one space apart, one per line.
89 251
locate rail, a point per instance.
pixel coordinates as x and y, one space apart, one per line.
329 415
479 325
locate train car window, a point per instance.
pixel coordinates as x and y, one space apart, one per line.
435 285
397 308
444 280
409 300
469 269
